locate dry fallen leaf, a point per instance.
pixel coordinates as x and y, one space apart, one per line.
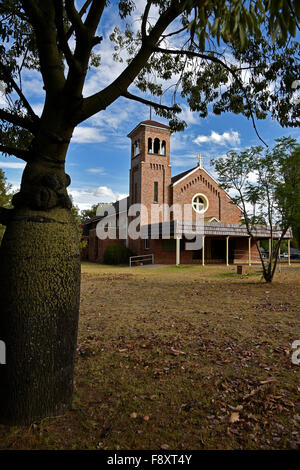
146 418
165 446
271 379
234 417
176 352
133 415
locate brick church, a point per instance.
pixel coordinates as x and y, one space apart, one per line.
209 212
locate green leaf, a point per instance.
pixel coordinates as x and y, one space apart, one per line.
243 36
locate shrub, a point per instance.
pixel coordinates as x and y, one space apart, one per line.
116 254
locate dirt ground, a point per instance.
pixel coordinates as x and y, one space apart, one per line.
180 358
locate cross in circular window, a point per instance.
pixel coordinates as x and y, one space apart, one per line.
199 203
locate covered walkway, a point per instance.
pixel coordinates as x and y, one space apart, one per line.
219 242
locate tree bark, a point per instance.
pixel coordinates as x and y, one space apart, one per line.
40 291
40 286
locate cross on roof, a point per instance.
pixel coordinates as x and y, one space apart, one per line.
200 160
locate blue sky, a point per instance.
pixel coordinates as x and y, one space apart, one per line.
98 158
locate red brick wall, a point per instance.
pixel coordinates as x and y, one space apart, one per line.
219 203
147 168
186 256
241 252
166 257
96 247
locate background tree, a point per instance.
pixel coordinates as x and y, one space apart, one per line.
5 197
296 233
77 217
206 46
88 214
273 199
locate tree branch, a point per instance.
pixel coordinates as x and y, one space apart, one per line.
62 39
8 78
145 18
42 16
149 103
220 62
94 15
164 36
75 18
22 154
33 12
85 41
18 120
101 100
81 13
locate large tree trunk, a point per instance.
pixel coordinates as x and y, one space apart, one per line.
40 285
39 298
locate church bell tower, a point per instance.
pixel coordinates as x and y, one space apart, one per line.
150 172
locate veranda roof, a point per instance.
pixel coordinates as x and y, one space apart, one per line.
179 228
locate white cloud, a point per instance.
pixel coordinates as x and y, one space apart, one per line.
253 177
38 108
105 192
3 100
181 141
12 165
184 160
85 198
114 117
33 83
96 170
226 138
87 135
189 116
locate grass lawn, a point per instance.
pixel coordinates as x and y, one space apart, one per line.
180 358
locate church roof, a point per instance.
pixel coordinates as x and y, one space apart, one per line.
154 123
149 122
181 175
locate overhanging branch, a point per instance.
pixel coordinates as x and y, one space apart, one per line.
22 154
150 103
223 64
8 77
18 120
164 36
145 18
101 100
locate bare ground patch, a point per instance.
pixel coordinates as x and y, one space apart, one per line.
179 359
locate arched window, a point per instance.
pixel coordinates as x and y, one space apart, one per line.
163 147
156 145
150 150
137 147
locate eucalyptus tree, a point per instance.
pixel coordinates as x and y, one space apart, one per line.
265 185
220 55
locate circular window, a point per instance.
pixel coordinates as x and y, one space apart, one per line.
200 203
